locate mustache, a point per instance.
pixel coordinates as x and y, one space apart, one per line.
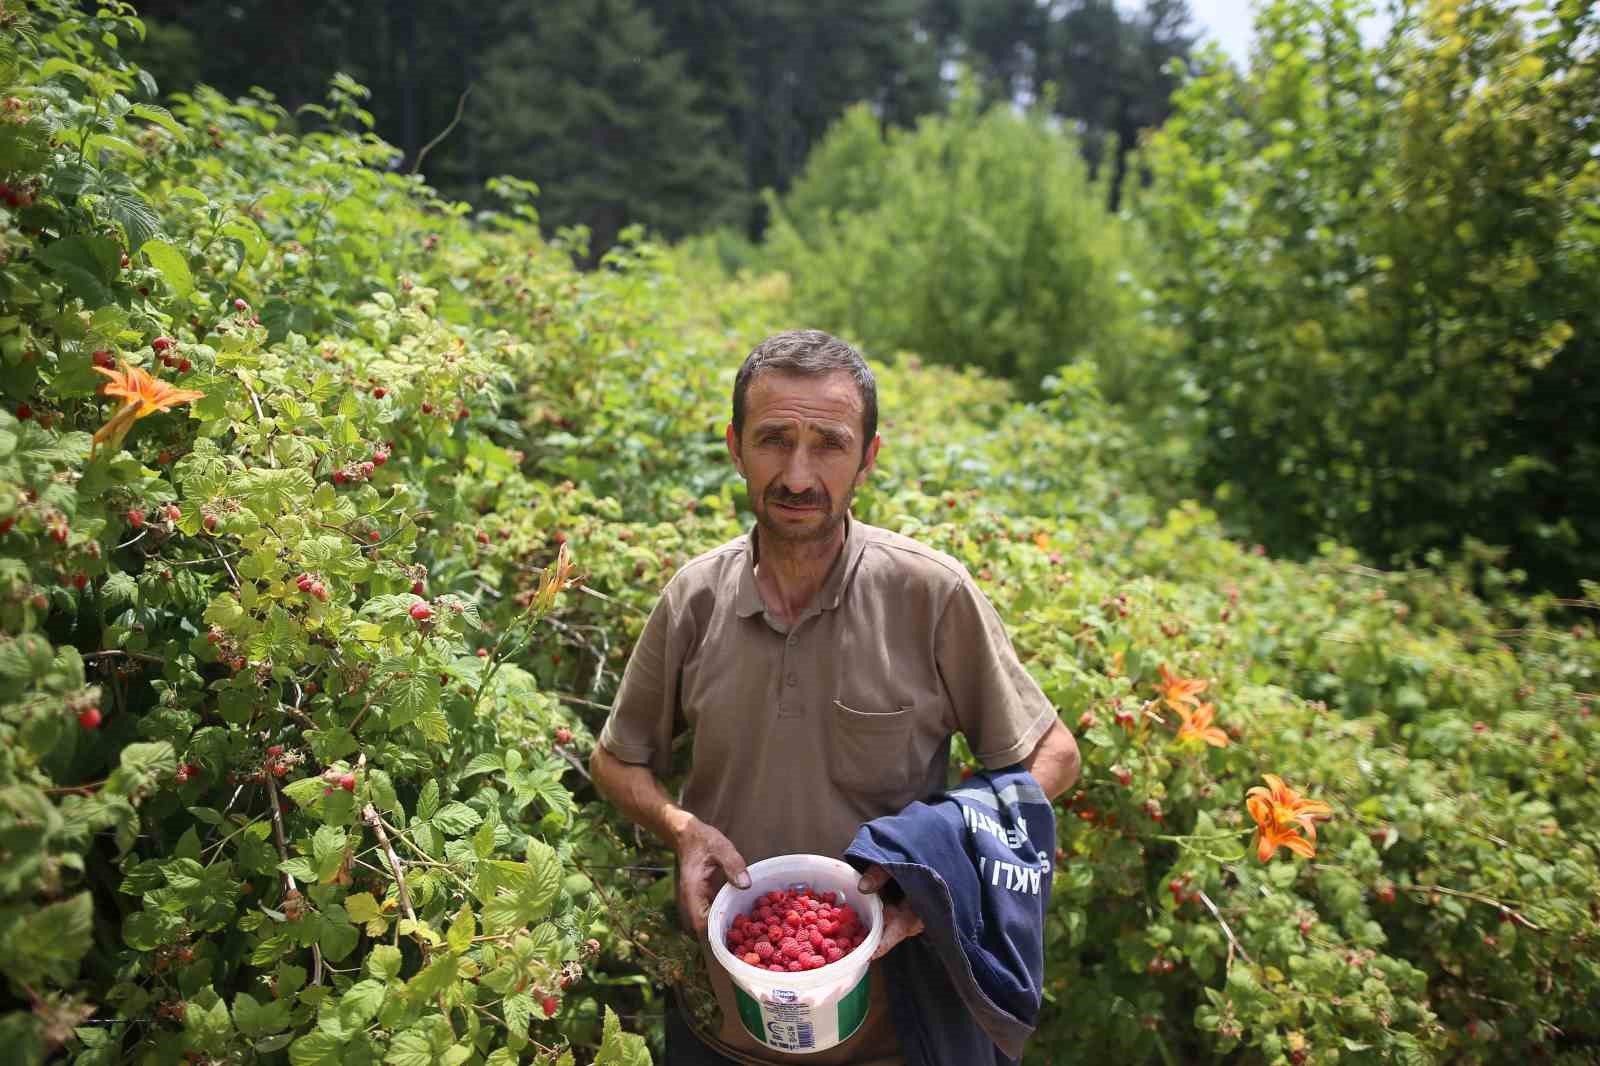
804 499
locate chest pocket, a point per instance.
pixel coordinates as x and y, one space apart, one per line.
880 753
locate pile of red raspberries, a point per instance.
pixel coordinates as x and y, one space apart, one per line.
792 930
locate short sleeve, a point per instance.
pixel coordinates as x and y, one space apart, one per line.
998 705
645 713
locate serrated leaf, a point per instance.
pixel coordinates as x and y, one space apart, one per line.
87 265
316 1048
255 1019
482 763
119 587
410 1048
171 263
160 116
362 908
618 1048
428 801
519 1012
361 1002
433 726
383 962
462 929
133 212
437 976
60 932
410 694
305 791
456 818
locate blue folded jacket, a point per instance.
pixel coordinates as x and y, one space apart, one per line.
974 863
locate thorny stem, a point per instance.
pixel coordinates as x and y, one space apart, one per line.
1233 941
369 814
1516 917
400 835
283 853
611 906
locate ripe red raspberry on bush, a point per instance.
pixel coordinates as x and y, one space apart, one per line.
792 930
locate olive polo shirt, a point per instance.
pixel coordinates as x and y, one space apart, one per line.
803 732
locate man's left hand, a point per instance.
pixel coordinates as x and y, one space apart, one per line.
899 920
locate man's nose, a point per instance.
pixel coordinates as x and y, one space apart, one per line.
797 474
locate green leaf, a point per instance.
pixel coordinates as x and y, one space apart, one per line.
305 791
383 962
456 818
428 801
327 846
483 763
361 1002
462 930
88 266
160 116
618 1048
316 1048
437 976
60 932
134 213
362 908
254 1019
519 1012
410 1048
171 263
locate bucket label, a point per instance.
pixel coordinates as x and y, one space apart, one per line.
788 1023
782 1020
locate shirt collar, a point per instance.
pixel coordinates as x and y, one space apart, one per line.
855 543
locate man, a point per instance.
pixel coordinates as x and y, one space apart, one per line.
823 664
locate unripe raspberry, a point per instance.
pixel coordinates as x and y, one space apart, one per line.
135 518
174 512
563 735
421 612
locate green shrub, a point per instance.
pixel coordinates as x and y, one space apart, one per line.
1381 260
976 239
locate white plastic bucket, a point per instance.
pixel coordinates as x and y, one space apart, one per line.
811 1010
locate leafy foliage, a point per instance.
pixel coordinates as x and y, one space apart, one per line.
1380 261
976 239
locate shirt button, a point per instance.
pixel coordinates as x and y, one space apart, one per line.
794 679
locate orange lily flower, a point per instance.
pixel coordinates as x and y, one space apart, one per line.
1178 691
1279 812
142 394
1197 726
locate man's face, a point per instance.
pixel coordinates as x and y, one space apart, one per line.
801 453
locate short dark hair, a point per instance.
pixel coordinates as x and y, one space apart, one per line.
808 353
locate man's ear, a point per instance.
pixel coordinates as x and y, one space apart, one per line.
733 449
869 460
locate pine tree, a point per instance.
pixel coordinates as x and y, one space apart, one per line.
584 98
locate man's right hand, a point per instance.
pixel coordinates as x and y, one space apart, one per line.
706 859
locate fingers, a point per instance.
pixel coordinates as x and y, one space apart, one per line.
875 878
732 864
694 905
899 922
